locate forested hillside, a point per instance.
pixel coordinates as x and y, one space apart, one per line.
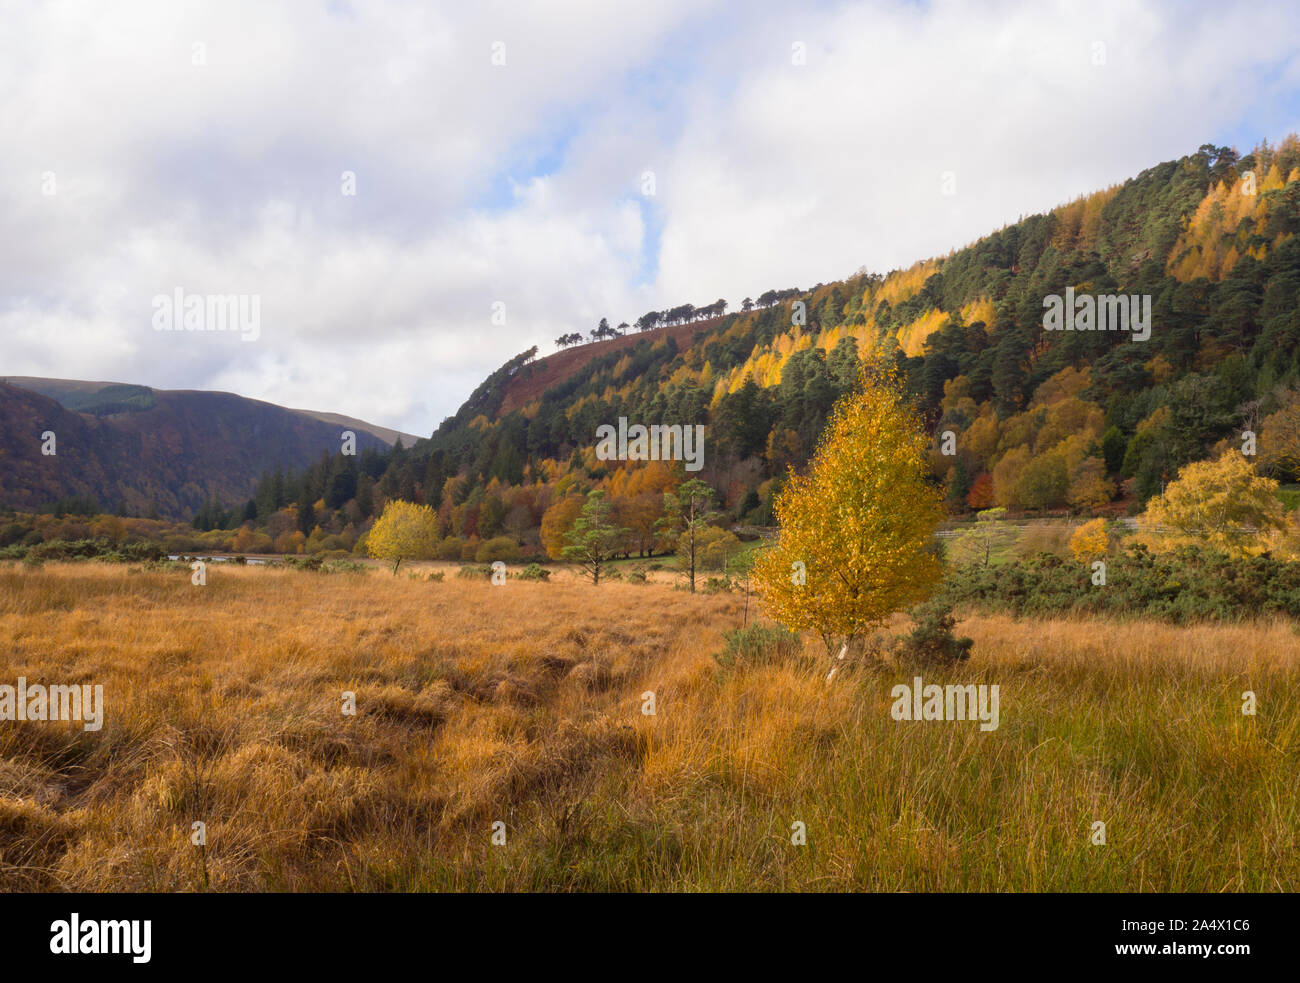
1026 418
1039 420
140 451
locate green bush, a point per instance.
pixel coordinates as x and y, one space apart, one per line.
502 548
931 641
86 549
1182 586
758 645
471 572
533 572
450 548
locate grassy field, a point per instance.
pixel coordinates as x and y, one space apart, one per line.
521 704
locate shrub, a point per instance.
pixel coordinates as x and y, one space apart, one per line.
533 572
718 585
1090 541
1185 585
715 547
758 645
931 641
502 548
470 572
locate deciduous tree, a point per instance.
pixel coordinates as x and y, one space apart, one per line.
855 530
405 531
1222 504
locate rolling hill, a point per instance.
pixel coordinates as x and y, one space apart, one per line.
147 450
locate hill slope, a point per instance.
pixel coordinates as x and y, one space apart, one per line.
1042 419
146 449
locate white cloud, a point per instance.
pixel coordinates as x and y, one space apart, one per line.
225 177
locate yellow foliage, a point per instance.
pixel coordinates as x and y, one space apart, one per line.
1066 384
911 336
1006 476
980 309
1209 246
1279 438
1222 504
855 530
405 531
1090 541
1090 488
557 521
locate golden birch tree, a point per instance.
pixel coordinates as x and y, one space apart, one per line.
405 531
855 531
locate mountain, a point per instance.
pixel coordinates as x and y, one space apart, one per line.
1030 407
1039 418
154 449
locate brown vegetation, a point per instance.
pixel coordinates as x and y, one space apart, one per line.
522 704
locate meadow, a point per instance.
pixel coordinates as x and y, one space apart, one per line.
522 704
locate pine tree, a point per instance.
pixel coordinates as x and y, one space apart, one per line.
686 514
594 538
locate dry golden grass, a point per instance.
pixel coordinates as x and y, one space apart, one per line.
522 704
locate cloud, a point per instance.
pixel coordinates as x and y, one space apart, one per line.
521 183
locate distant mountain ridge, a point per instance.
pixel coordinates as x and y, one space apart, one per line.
148 450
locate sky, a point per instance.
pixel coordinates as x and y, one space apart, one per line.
416 192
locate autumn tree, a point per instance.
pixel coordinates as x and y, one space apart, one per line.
1279 438
594 538
1090 541
686 514
518 521
1089 486
1222 504
1007 474
556 523
991 536
405 531
855 530
980 495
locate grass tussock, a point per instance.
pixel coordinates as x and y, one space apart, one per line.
522 704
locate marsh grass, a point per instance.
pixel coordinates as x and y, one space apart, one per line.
522 703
